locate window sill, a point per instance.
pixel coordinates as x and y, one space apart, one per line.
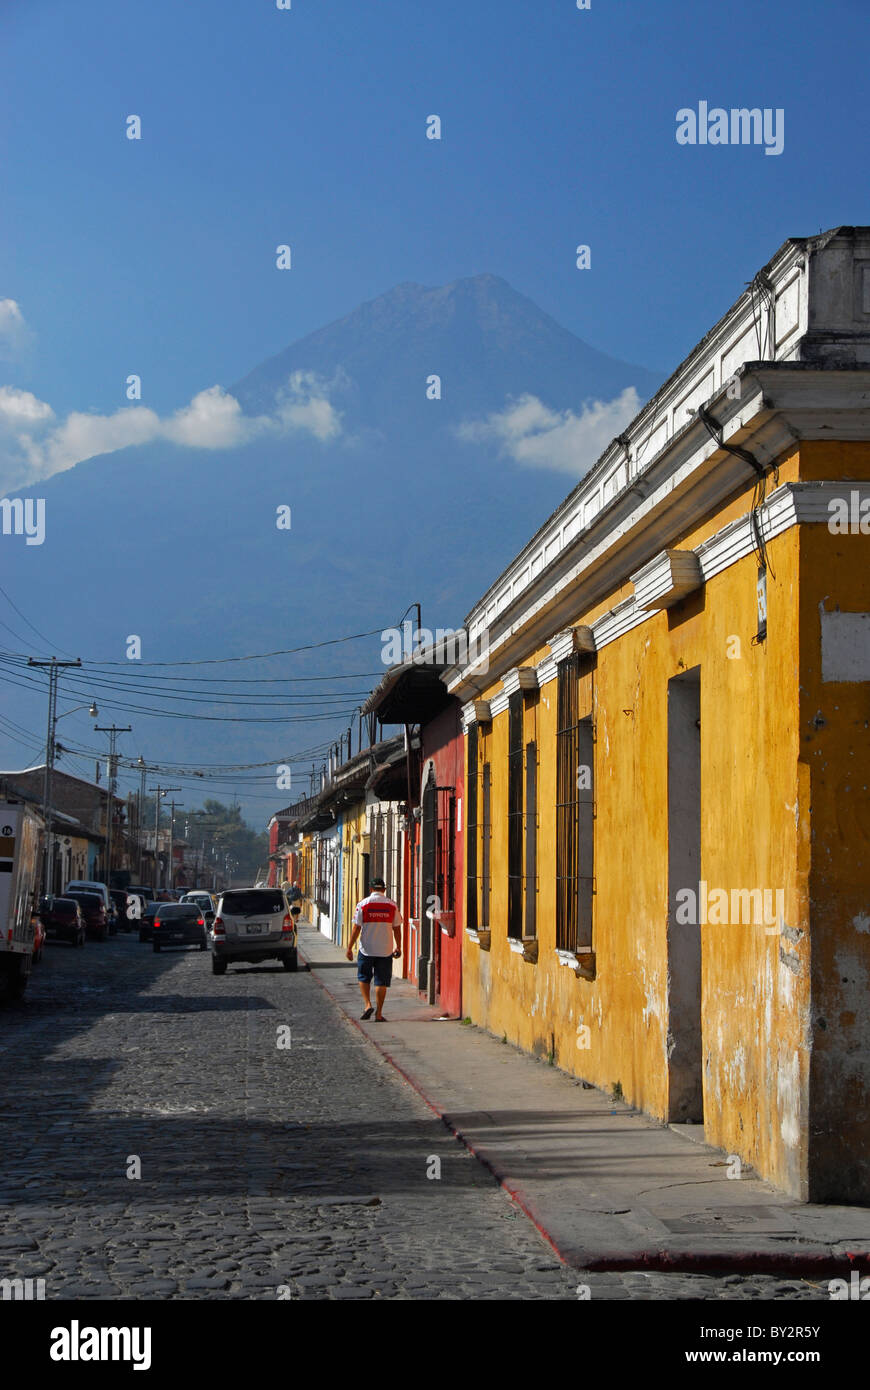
582 962
515 945
472 935
447 923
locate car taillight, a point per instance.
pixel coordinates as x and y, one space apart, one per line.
217 926
156 923
287 924
200 921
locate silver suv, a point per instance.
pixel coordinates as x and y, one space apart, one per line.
253 924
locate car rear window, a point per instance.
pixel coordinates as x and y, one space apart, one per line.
178 910
64 905
87 899
244 903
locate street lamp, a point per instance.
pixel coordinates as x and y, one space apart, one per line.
160 793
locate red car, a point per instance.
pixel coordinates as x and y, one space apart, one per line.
38 940
93 911
62 920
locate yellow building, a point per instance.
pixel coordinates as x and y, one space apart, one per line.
668 757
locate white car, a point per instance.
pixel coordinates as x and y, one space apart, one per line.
253 924
202 899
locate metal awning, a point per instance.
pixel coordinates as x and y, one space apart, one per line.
412 693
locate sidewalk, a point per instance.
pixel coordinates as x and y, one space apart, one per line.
608 1187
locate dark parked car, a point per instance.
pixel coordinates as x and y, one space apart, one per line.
119 898
63 920
94 913
179 924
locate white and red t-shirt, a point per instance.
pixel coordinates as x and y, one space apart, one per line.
376 915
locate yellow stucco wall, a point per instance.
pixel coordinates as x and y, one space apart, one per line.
757 1031
352 844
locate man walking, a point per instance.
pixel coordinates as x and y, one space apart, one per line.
377 922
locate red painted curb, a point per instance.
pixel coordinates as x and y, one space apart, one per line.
797 1264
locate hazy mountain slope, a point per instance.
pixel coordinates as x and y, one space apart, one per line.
180 545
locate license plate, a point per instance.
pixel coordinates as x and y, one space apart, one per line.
256 928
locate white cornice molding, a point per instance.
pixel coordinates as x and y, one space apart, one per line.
667 579
519 678
475 712
573 639
547 670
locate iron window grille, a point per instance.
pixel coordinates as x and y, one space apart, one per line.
471 884
515 816
567 803
445 847
486 844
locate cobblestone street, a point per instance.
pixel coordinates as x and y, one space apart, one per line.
267 1171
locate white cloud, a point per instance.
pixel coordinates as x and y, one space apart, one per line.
16 337
33 445
21 408
303 404
537 437
213 420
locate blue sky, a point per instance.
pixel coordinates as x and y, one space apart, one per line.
307 126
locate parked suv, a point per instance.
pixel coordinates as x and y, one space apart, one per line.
94 912
253 924
63 919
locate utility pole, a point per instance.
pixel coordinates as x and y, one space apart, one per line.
140 763
53 664
172 806
112 730
161 792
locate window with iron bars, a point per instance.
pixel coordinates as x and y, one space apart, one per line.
471 832
414 868
567 805
531 838
383 838
323 862
574 813
445 844
485 842
515 816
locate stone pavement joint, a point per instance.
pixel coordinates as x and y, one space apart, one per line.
606 1186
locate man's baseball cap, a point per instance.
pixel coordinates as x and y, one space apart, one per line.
378 883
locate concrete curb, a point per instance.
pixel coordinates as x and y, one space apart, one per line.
798 1263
